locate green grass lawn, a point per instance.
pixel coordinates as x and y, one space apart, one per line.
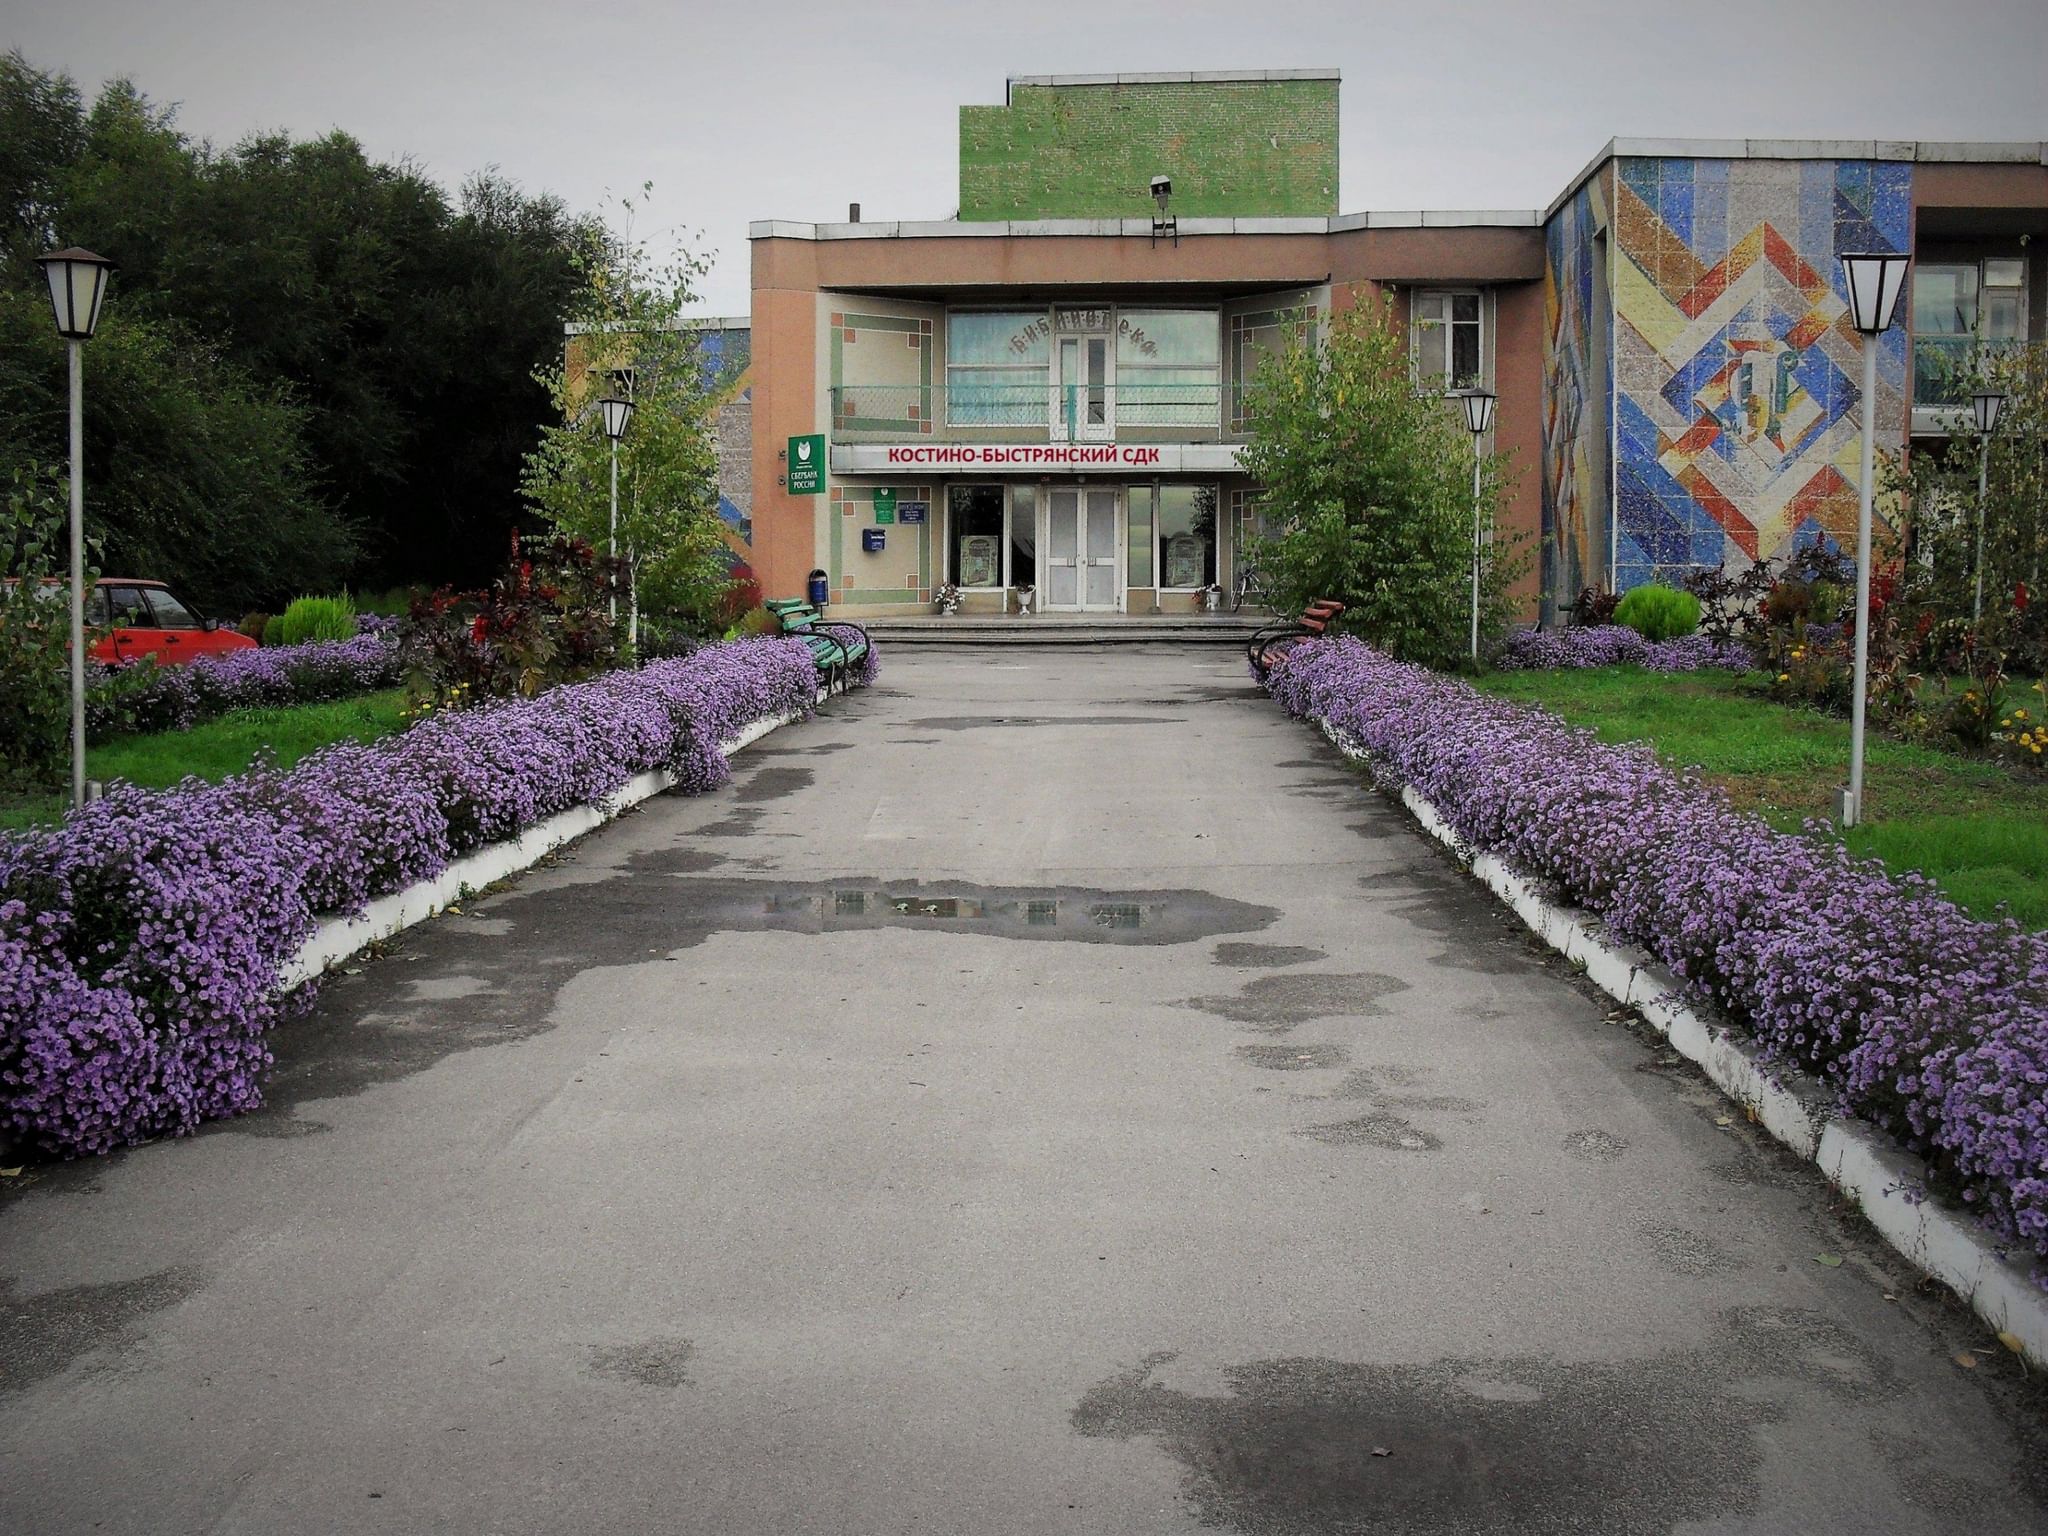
1978 828
220 747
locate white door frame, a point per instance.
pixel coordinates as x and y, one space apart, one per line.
1119 508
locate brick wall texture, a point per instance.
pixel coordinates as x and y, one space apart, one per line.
1233 149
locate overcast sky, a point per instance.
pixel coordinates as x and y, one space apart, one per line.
752 109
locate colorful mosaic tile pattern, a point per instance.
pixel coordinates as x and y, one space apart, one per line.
1576 402
1739 404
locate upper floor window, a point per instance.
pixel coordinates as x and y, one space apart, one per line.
997 362
1956 306
1256 335
1449 340
1169 367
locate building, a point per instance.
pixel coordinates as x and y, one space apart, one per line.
1047 392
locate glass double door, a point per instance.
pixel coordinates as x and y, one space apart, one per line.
1082 537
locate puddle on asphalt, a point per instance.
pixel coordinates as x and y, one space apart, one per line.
1297 1447
984 722
1276 1004
42 1334
373 1028
1264 956
1086 916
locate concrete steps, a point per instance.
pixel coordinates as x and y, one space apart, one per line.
1064 630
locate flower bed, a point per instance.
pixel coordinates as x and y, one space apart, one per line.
1928 1023
142 942
1614 645
141 696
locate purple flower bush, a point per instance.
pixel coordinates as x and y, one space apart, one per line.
142 696
1928 1022
1616 645
143 941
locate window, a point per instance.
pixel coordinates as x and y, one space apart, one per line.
1187 537
997 364
1447 342
127 605
1256 335
170 613
1169 367
974 535
1138 536
1957 305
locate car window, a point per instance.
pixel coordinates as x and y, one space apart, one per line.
96 608
128 605
170 613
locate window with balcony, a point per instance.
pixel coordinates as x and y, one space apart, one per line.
1169 368
997 364
1448 342
1960 307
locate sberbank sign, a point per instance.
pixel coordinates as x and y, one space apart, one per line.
806 466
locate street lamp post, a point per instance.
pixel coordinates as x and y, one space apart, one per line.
78 284
618 415
1874 281
1986 403
1479 405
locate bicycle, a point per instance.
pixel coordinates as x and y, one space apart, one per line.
1250 585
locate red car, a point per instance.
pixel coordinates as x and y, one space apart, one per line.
130 618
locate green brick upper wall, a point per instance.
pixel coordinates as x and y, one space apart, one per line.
1234 148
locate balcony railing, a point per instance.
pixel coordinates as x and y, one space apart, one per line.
1192 412
1947 368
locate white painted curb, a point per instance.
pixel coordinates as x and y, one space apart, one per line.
340 936
1861 1162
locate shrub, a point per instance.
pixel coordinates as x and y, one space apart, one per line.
1929 1023
545 621
253 624
142 942
1593 608
35 635
313 618
1658 612
1616 645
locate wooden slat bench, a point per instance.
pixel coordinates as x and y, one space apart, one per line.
1274 640
837 645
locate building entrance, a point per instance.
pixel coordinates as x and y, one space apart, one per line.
1083 535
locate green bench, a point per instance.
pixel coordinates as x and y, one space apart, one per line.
836 645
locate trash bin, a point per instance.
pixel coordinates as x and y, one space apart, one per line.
820 589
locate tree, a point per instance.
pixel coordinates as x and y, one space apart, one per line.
1370 483
631 335
399 328
195 473
1936 488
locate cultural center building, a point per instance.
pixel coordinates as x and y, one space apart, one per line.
1047 392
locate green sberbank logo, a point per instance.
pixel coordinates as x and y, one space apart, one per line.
806 461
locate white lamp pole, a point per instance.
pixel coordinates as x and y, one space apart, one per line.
1479 405
1986 403
78 284
618 415
1874 281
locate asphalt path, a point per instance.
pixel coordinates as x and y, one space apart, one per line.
1049 1092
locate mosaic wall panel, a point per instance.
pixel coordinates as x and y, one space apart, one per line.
1576 402
727 357
1739 402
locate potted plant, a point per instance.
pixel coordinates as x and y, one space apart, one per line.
1026 596
947 597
